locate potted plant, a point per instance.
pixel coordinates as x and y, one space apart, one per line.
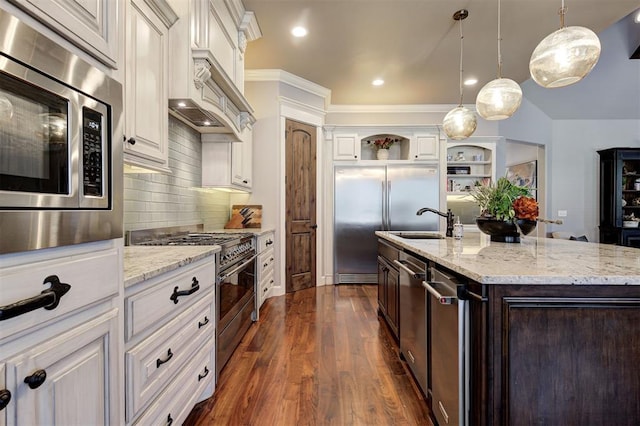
382 146
506 210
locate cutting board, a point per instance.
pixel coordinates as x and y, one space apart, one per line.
249 216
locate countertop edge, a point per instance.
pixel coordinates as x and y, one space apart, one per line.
430 250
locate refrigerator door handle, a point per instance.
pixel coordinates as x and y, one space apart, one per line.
388 197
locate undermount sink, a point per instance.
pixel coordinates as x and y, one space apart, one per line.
418 235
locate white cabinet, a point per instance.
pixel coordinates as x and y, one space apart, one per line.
69 353
410 143
66 380
227 164
146 84
92 25
170 343
425 147
265 266
346 147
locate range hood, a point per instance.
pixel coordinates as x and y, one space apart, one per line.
207 66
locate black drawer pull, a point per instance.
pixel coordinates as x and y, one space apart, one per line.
159 361
265 265
202 324
195 286
5 397
169 420
47 299
269 242
35 380
206 373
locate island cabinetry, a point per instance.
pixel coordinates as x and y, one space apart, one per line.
620 196
169 343
556 355
266 266
389 286
146 144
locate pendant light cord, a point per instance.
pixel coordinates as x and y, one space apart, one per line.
499 40
461 55
562 12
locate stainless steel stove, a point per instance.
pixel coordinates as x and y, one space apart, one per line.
236 301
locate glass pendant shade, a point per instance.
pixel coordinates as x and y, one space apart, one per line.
564 57
459 123
499 99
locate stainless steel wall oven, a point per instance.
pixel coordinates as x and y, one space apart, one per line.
60 144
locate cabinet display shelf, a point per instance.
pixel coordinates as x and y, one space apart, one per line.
461 175
465 163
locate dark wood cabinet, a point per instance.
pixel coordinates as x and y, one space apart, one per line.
619 195
388 286
555 355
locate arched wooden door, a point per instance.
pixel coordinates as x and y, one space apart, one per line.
300 206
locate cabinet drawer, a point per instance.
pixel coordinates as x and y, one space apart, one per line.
176 402
265 286
154 305
151 364
265 263
265 241
92 277
388 251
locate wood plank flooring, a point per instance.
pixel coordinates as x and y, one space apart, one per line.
318 356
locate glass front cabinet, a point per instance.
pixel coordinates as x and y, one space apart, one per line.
620 196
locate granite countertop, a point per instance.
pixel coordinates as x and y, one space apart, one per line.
255 231
144 262
532 261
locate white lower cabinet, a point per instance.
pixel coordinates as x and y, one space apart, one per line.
170 344
67 380
265 266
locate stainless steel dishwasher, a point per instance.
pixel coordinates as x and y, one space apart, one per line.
413 316
449 349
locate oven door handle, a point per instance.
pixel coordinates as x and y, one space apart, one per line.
236 269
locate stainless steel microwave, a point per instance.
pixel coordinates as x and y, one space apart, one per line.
60 144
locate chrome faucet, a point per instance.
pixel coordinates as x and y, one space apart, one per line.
448 215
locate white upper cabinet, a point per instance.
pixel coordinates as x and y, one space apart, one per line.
411 143
425 146
208 44
346 147
146 84
91 25
227 163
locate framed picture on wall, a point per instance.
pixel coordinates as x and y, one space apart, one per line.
524 174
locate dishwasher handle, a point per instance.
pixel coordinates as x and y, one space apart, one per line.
442 299
403 264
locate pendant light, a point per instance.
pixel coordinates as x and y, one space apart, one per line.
499 98
460 122
565 56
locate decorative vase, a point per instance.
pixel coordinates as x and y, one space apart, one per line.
382 154
504 231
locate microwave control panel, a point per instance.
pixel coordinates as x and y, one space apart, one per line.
92 152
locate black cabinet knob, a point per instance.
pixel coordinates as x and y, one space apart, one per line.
131 141
36 379
5 397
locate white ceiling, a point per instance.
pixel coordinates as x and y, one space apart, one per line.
414 45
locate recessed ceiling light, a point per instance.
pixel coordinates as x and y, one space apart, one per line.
378 82
299 32
182 104
470 81
207 123
637 18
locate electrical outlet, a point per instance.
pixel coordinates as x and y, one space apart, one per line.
562 213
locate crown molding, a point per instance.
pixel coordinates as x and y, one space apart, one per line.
291 80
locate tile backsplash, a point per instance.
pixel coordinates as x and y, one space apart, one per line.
153 200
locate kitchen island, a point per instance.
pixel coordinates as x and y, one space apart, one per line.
552 329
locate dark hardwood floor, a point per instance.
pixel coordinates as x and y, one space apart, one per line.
318 356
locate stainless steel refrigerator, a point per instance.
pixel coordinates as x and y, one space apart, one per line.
375 198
